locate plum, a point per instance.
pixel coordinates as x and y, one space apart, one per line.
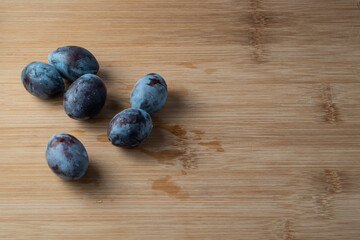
72 62
67 156
149 93
42 80
85 97
129 128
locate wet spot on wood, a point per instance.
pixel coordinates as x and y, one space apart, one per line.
210 70
166 185
183 150
331 111
198 132
176 130
164 156
213 145
102 138
188 65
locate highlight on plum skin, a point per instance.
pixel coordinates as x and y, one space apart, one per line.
42 80
129 128
149 93
85 97
73 61
67 156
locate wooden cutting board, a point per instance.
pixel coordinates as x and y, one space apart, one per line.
259 138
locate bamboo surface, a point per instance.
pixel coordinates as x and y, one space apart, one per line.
259 138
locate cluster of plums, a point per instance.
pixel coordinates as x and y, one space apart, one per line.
85 97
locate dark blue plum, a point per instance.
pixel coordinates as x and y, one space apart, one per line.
149 93
42 80
129 128
72 62
85 97
67 156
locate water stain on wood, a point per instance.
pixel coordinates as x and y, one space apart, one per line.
164 184
176 130
184 152
213 145
102 138
188 65
164 156
198 132
331 111
183 172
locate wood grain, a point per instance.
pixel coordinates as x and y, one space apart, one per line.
259 138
